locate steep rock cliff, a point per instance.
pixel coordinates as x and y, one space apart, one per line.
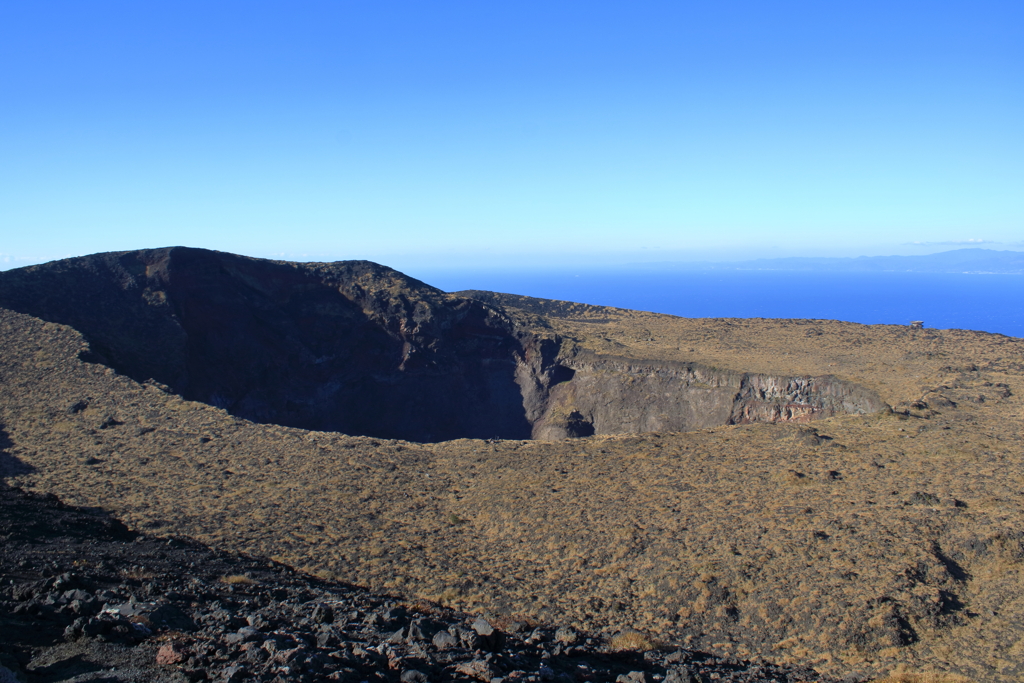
612 395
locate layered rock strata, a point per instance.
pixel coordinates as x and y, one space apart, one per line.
611 395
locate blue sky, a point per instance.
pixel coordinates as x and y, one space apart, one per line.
453 134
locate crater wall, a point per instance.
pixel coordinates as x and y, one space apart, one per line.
359 348
352 347
612 395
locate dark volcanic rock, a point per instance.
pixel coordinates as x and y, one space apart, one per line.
352 347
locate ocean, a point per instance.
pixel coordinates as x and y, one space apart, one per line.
989 303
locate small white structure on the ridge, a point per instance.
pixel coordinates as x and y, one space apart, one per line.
917 324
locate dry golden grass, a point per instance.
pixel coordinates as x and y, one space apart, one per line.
923 678
423 606
321 573
137 574
632 640
233 579
504 622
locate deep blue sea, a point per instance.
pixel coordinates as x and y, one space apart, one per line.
990 303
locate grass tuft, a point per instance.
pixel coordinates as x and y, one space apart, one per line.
632 640
923 678
233 579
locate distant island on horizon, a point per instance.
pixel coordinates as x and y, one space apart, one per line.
966 261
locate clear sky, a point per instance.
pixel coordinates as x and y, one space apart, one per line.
517 133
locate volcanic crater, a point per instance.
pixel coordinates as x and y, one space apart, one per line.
828 494
358 348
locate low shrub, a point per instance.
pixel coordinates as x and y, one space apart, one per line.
237 579
632 640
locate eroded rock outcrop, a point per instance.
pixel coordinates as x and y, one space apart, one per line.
611 395
589 394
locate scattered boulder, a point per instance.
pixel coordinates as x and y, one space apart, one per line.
444 640
632 677
479 669
489 638
679 675
566 636
171 653
323 614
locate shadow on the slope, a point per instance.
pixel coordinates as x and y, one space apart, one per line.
71 667
10 466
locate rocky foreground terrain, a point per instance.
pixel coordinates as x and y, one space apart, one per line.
85 599
804 492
